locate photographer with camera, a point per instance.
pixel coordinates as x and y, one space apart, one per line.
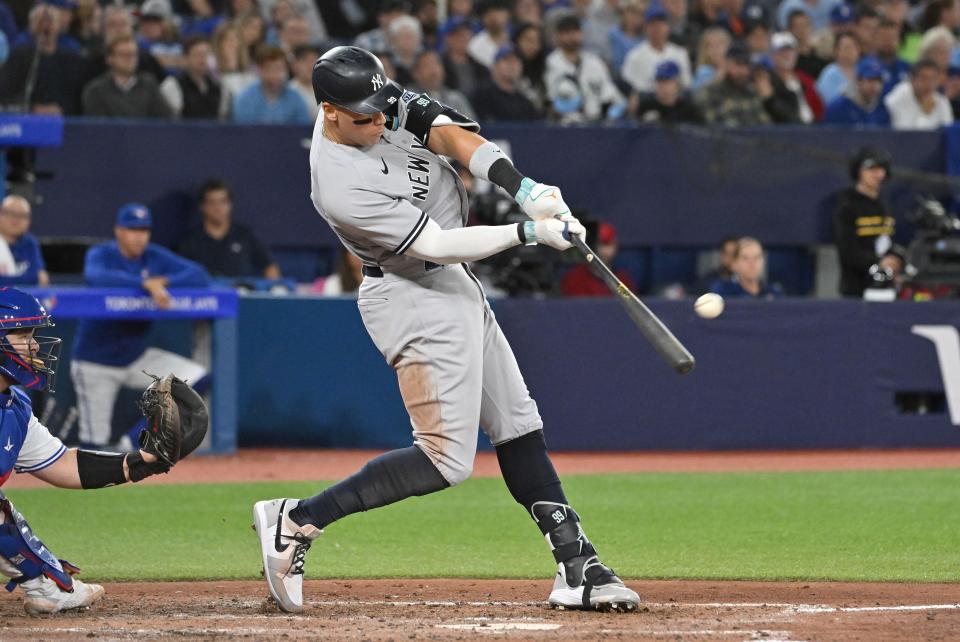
863 227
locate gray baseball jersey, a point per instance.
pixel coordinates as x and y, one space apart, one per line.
432 324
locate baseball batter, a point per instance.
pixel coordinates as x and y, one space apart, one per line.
380 179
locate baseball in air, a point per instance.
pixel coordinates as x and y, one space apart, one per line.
709 306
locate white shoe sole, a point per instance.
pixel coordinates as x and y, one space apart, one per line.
572 599
260 525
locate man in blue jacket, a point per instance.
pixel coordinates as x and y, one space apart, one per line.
110 355
861 104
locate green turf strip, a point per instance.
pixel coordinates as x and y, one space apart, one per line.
877 525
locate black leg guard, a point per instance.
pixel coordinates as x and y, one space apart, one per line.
393 476
533 482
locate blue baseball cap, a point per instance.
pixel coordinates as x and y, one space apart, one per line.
655 12
453 24
134 216
503 52
667 70
869 68
842 14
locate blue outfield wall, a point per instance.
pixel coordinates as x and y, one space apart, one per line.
677 187
787 374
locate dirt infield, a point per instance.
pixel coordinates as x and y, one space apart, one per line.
442 609
512 610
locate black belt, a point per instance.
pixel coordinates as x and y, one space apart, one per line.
375 271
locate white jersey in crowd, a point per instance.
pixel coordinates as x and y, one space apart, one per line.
640 65
590 78
377 199
906 112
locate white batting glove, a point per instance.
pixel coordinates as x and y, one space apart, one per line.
553 232
539 201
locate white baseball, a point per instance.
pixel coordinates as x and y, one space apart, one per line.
709 306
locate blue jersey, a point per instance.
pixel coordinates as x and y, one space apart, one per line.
28 262
844 111
119 343
18 426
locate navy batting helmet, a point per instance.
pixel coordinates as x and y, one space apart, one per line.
32 365
353 78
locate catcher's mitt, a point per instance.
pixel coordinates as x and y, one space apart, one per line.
177 419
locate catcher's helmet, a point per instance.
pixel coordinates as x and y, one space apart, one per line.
353 78
868 157
36 370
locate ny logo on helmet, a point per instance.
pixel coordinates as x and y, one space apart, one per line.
377 81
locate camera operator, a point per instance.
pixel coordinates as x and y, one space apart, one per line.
863 226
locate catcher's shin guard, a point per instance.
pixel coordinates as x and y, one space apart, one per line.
582 582
26 554
283 546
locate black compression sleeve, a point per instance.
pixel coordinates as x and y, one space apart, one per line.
504 174
99 470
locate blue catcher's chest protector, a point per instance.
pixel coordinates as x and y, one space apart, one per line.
15 411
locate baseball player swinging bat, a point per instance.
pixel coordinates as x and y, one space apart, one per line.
669 347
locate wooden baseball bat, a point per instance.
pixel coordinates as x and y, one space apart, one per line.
650 326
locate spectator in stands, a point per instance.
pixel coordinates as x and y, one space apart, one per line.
710 13
314 28
863 227
59 74
668 104
711 56
808 61
793 87
865 28
888 46
156 34
253 31
861 104
495 19
951 88
462 72
294 32
345 280
627 34
196 93
842 20
641 62
578 84
302 81
427 15
29 268
87 25
747 280
939 13
681 31
376 39
108 355
8 23
221 245
198 18
732 100
122 92
580 281
270 100
724 271
916 103
428 77
117 21
55 28
841 73
528 43
757 37
817 10
528 11
233 62
405 40
501 98
937 45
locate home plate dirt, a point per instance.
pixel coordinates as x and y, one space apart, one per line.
394 609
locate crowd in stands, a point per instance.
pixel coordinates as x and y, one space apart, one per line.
717 62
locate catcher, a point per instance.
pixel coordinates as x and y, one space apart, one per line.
177 424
